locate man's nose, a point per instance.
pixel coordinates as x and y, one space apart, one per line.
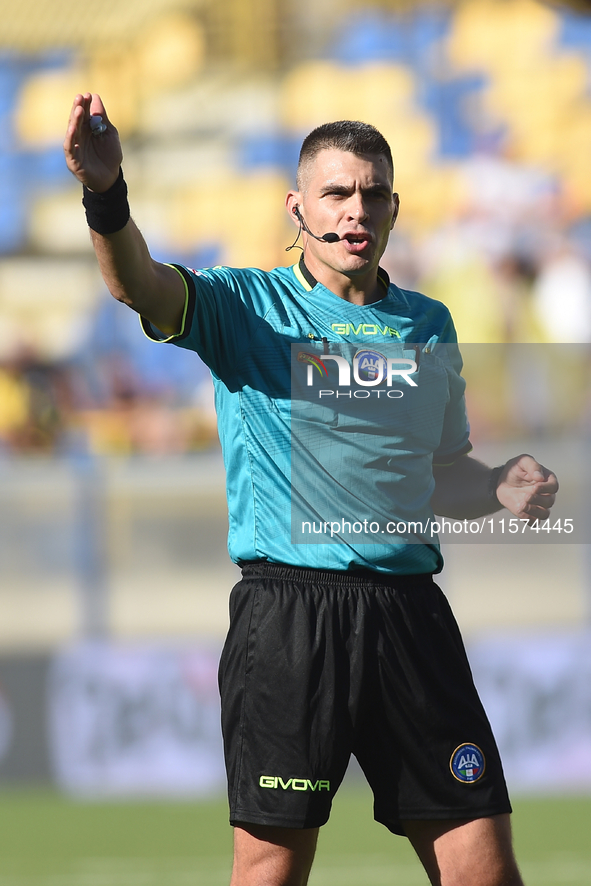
357 209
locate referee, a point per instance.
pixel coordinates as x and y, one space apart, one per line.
341 643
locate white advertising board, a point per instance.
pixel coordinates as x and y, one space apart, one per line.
537 693
135 721
144 720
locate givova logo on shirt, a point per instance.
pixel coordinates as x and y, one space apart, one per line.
363 329
294 784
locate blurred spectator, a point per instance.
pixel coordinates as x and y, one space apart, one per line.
562 297
46 408
459 275
31 414
515 276
14 404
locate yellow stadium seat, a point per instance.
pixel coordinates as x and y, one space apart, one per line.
44 104
495 35
381 94
170 52
243 212
315 92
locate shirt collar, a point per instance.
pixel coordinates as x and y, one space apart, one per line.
310 280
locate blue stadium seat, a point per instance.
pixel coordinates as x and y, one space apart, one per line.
22 171
277 150
13 204
375 36
446 100
115 330
575 31
13 217
415 39
46 169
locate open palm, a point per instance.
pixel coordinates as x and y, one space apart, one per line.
94 160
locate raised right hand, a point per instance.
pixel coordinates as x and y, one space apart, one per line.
94 160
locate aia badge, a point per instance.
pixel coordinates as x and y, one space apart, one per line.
467 763
371 365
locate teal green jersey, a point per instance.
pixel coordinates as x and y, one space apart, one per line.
307 439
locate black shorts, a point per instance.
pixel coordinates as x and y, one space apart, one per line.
318 665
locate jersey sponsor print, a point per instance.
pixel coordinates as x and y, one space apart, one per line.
294 784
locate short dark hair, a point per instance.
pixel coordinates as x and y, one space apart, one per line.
345 135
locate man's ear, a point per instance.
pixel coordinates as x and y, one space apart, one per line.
292 203
396 210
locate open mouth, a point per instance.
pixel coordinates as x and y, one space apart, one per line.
356 242
357 238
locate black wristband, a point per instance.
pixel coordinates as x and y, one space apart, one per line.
493 482
108 212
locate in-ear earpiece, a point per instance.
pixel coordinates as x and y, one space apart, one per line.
331 237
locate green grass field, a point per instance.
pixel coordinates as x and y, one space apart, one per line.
47 840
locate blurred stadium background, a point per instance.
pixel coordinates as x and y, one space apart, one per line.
113 571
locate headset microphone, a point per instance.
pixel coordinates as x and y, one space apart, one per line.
331 237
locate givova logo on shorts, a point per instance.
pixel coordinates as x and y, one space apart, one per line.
467 763
294 784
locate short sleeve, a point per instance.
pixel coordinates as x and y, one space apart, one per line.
218 318
455 435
